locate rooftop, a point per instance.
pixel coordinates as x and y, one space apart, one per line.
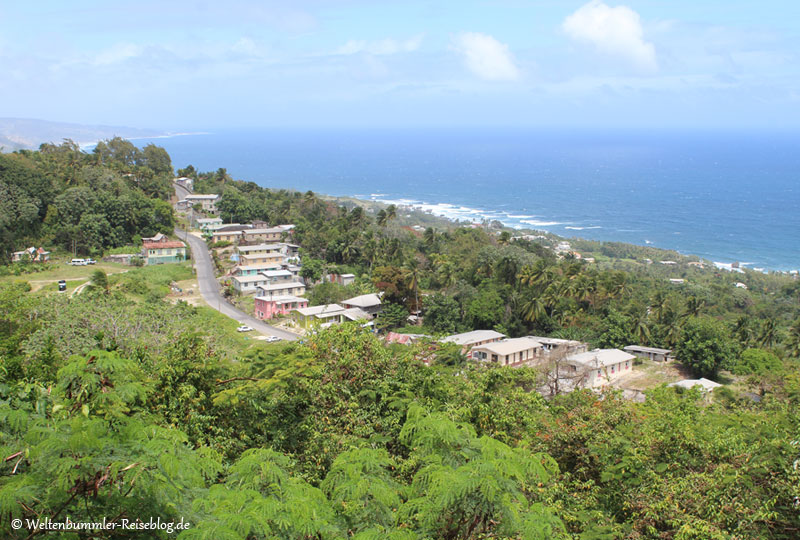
284 299
280 286
277 273
511 346
654 350
328 310
365 300
163 245
600 357
201 197
706 384
476 336
260 247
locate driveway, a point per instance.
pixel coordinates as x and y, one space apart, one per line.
209 289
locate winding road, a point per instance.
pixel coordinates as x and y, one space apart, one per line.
209 287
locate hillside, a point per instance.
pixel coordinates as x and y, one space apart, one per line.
29 133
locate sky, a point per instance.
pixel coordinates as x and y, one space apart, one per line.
202 65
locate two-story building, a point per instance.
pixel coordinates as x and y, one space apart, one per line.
369 303
270 307
208 225
207 201
163 251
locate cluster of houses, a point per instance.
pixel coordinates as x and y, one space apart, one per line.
572 363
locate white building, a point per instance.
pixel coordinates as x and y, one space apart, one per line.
599 367
468 340
510 352
207 201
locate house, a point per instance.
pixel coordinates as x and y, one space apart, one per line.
269 307
341 279
31 254
207 201
510 352
327 315
558 346
160 237
370 303
163 251
740 285
254 236
677 281
253 269
273 259
248 284
705 385
597 368
271 290
468 340
229 233
185 182
208 225
651 353
259 249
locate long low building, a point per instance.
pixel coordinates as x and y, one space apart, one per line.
598 367
651 353
468 340
510 352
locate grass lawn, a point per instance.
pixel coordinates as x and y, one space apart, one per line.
74 275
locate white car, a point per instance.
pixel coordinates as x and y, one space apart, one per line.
244 328
272 339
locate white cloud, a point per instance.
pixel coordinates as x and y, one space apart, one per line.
486 57
615 31
117 53
381 47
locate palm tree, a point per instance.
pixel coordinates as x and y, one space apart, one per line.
743 330
659 305
412 275
534 309
693 306
769 333
793 342
640 328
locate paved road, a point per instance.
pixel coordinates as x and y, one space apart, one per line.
209 289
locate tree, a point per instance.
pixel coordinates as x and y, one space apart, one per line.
442 313
705 347
99 281
391 316
757 361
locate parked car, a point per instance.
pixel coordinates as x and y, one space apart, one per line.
62 285
91 261
244 328
78 262
272 339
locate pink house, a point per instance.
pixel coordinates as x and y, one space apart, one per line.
268 307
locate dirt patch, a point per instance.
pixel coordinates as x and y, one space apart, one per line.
650 374
189 292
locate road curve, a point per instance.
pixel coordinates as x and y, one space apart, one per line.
209 289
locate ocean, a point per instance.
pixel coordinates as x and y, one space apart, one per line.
727 197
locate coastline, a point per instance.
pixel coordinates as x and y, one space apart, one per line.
458 215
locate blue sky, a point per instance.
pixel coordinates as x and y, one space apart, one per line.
340 63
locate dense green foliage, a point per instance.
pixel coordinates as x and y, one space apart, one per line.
61 197
117 404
